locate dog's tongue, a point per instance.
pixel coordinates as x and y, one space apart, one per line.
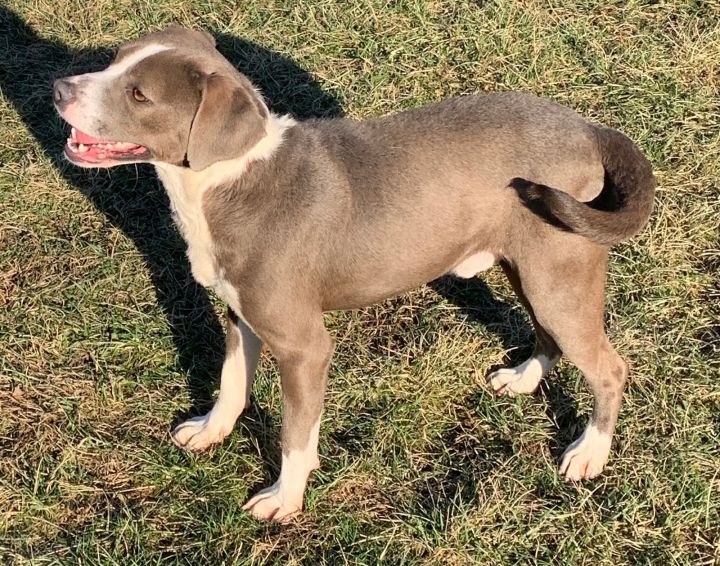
87 139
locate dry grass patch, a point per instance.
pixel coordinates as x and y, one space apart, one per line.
105 342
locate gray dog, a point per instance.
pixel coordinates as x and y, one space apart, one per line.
285 220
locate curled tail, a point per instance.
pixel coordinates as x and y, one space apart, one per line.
620 210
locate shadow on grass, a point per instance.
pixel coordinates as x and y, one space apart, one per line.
512 325
458 461
133 201
454 483
478 304
131 198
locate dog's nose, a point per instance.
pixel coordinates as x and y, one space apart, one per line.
63 92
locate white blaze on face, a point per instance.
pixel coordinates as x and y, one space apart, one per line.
87 110
129 61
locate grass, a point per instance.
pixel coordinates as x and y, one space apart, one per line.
105 342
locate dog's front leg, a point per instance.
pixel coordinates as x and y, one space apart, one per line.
242 352
304 360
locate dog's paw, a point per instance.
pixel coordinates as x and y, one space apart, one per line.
524 378
199 433
512 381
586 457
271 504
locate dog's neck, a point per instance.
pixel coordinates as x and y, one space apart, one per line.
195 183
186 189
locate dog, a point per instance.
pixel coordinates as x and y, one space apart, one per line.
286 220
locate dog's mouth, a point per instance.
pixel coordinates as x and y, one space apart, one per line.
89 151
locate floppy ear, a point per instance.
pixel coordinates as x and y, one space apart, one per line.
228 122
182 34
207 37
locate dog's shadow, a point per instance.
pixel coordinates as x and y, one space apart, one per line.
131 198
511 324
455 482
133 201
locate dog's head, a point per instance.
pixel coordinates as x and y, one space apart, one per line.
168 97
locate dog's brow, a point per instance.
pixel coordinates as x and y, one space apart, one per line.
117 69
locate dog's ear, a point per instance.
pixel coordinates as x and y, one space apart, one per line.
207 37
181 35
229 121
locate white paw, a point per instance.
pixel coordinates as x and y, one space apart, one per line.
271 504
199 433
510 382
524 378
586 457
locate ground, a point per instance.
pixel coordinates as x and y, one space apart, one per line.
105 342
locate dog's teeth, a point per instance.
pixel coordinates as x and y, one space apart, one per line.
82 148
73 132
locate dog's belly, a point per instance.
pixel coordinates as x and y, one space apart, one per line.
471 266
377 281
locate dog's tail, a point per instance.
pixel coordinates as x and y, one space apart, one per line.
620 210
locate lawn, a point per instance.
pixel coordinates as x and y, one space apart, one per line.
105 341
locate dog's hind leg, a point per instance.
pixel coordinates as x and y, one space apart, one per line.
526 377
242 352
606 373
566 292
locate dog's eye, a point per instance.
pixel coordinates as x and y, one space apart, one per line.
138 95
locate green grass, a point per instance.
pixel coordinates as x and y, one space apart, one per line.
105 342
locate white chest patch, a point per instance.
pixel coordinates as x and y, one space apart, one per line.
186 189
186 204
474 264
227 292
